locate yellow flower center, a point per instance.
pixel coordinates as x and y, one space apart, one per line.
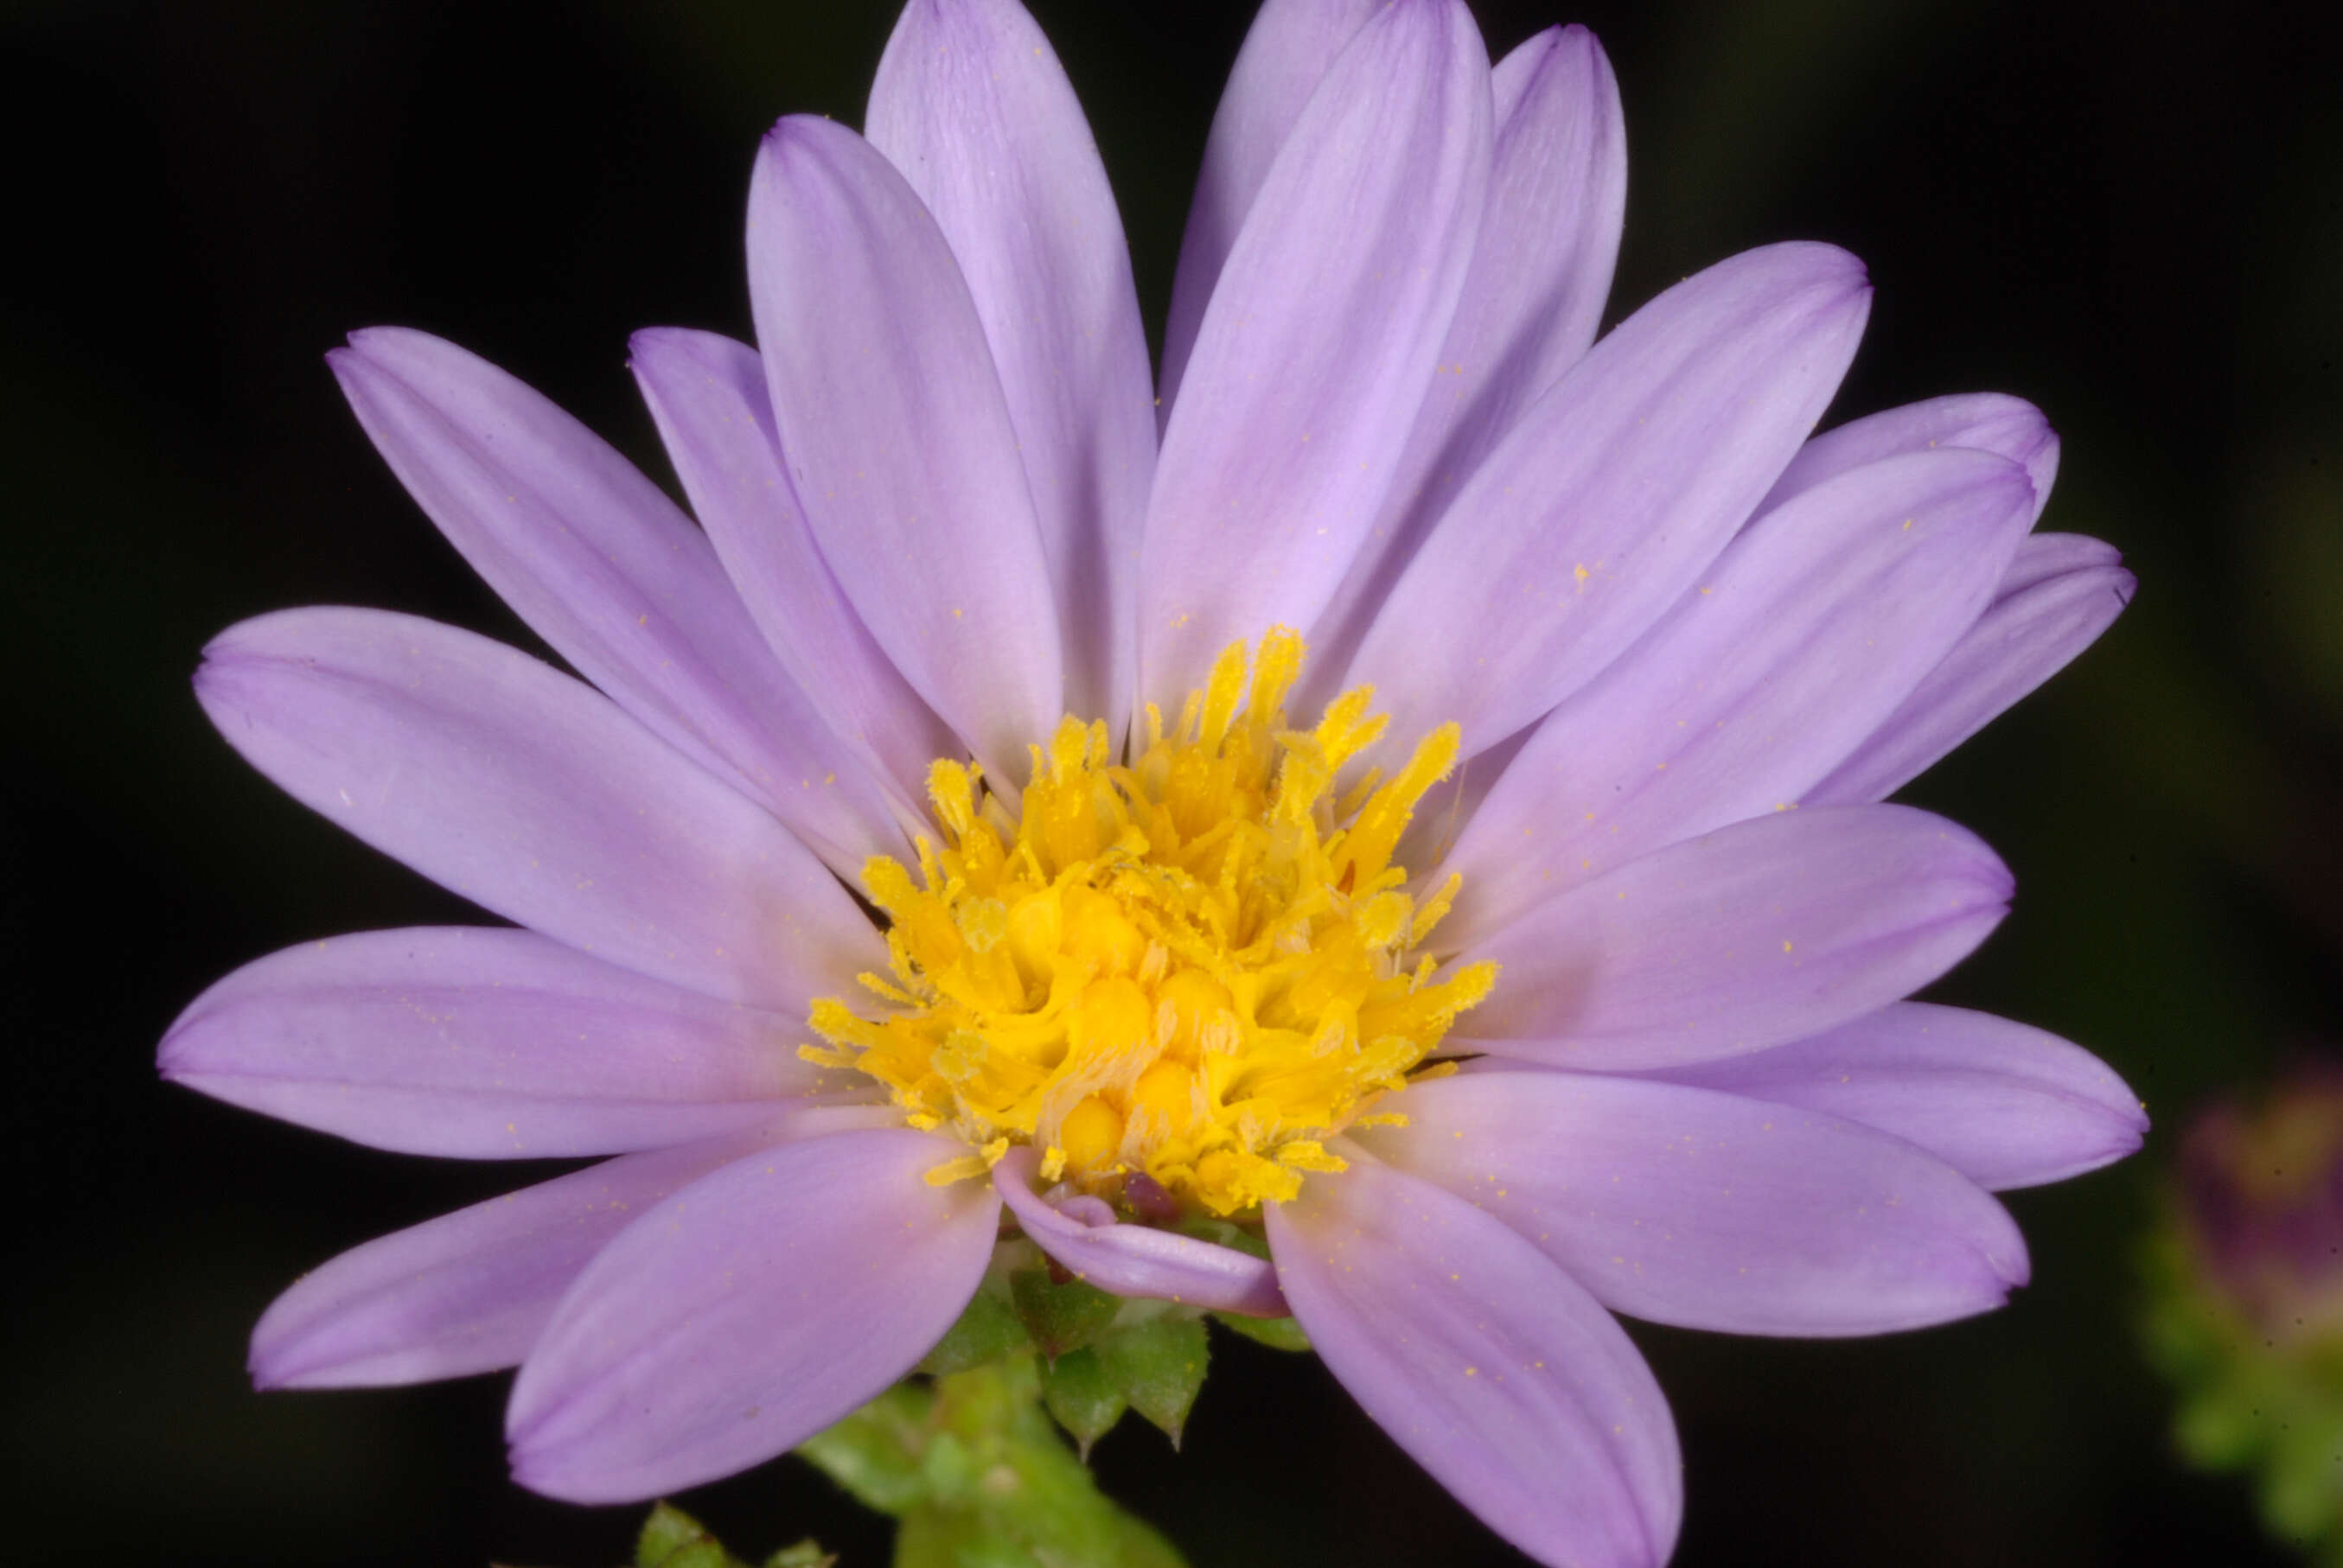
1196 966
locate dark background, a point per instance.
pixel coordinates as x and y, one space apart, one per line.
2130 213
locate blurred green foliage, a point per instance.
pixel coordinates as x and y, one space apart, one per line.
2243 1307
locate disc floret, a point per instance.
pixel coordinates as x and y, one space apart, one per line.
1195 966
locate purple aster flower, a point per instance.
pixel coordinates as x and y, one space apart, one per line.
1407 782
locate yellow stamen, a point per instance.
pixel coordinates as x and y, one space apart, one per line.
1090 1134
1198 964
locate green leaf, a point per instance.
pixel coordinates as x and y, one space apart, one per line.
989 1330
1083 1395
1060 1317
1158 1366
1277 1333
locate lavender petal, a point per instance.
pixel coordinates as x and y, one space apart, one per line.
601 564
1318 344
1286 53
1494 1368
970 103
1765 931
1732 1214
471 1290
2061 592
1810 628
1541 271
1612 492
488 1044
534 796
2005 1104
1984 421
707 395
747 1312
898 439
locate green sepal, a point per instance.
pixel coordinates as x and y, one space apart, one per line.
1060 1317
1082 1394
987 1330
1277 1333
666 1532
671 1538
806 1553
1158 1366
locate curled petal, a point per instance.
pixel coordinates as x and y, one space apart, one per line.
1710 1210
2005 1104
747 1312
533 795
1762 933
1137 1260
1492 1368
485 1044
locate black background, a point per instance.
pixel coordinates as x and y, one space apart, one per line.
2130 213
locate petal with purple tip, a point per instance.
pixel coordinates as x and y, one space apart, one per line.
1762 933
1541 271
1710 1210
470 1291
970 103
1492 1368
747 1312
2061 592
1286 56
1137 1260
2006 1104
532 795
707 395
1814 625
1612 492
601 564
1318 344
489 1044
897 435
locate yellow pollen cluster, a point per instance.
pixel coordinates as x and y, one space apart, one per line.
1195 966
